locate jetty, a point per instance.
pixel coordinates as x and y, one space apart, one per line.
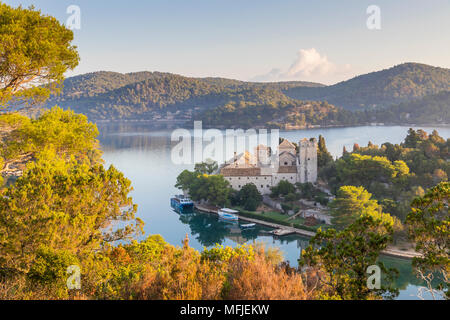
280 230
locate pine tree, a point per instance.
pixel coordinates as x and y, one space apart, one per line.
323 155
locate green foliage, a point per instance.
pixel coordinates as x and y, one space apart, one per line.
249 197
35 49
380 89
430 109
185 179
294 114
342 258
371 168
65 132
308 191
230 103
352 202
322 199
107 95
207 167
429 228
282 188
278 218
221 254
203 187
182 273
287 207
324 157
50 266
412 139
66 205
2 163
357 169
291 197
66 208
394 172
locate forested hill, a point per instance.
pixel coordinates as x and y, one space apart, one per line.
384 88
431 109
95 83
109 95
381 96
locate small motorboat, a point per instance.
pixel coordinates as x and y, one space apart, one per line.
248 226
182 204
228 214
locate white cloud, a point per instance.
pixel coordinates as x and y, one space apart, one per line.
309 62
309 65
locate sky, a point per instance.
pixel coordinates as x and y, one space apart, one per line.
258 40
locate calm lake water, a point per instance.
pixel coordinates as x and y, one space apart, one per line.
144 155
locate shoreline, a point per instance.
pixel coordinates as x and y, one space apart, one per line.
206 126
392 252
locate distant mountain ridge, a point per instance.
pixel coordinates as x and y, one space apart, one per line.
431 109
380 89
162 96
109 95
89 84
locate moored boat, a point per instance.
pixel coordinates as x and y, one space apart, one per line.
182 204
228 214
248 225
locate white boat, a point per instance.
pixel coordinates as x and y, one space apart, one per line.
228 214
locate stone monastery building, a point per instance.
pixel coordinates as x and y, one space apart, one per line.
293 166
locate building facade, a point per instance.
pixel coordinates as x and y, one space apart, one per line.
292 165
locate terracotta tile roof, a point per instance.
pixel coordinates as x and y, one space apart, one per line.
240 172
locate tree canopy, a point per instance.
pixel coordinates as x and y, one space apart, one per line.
352 202
342 258
249 197
428 226
213 189
36 50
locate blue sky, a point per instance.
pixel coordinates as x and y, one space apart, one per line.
323 41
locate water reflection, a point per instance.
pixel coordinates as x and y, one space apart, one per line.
143 154
209 230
